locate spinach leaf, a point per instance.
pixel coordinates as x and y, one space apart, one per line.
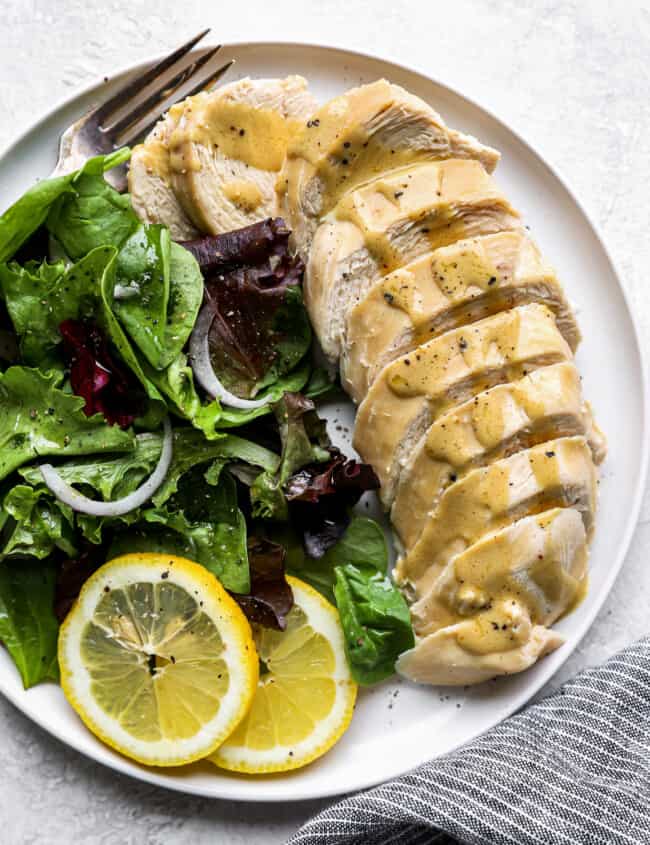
38 418
363 544
114 330
92 213
28 213
28 627
142 272
167 289
185 297
375 619
160 283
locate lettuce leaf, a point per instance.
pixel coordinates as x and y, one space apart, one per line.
303 440
28 627
116 476
260 330
321 495
194 512
92 213
176 383
28 214
36 524
202 522
270 597
38 418
375 619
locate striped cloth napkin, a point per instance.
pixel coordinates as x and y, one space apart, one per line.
571 770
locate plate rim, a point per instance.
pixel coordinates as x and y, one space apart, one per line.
240 789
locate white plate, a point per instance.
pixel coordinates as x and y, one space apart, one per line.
397 725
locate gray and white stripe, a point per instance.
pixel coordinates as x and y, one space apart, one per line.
571 770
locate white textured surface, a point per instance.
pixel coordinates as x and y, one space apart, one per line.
572 77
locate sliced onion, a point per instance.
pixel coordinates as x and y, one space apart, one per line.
82 504
203 371
125 291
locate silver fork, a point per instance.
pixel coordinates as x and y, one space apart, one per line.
95 134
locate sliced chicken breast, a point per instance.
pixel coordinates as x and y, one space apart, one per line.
228 146
150 182
490 602
388 222
539 561
358 136
413 391
499 422
444 658
558 473
453 286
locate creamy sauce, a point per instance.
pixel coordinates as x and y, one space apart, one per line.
504 627
246 195
154 156
441 202
345 142
502 343
533 570
498 423
256 136
489 497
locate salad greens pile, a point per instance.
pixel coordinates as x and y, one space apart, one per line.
96 312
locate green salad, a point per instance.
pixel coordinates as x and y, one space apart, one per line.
159 396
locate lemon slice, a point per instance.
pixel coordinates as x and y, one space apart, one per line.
305 693
157 659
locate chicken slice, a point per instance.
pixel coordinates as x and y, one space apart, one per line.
492 601
499 422
444 658
453 286
388 222
413 391
150 184
228 146
539 561
558 473
354 138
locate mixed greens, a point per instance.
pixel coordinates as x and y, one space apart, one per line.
98 312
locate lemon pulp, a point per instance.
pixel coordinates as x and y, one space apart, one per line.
305 694
157 659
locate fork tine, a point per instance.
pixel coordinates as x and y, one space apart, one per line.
160 95
209 81
206 82
134 86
